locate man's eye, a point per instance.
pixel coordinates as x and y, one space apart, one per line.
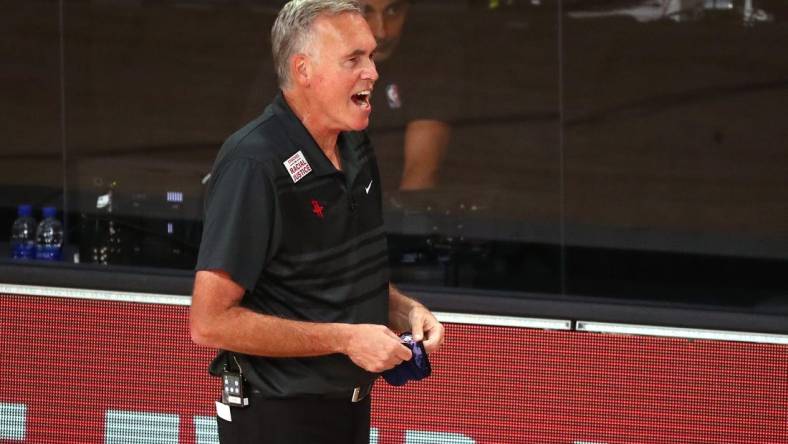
393 10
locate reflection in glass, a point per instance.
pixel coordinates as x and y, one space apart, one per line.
637 155
153 89
676 10
31 168
674 166
489 71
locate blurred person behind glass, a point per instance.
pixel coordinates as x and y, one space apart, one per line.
412 111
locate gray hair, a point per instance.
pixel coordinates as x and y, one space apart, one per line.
292 29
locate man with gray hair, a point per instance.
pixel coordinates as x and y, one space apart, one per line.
292 278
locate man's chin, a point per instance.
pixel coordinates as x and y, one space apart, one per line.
359 125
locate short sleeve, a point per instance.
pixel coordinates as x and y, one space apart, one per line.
239 220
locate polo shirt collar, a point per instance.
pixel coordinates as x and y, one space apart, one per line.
303 141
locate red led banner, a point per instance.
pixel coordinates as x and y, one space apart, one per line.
110 372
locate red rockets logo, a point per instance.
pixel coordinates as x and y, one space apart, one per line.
317 208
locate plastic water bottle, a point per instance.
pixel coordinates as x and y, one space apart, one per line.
49 236
23 234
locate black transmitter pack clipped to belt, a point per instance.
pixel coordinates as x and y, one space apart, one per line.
234 385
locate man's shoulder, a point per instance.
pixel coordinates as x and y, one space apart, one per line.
259 140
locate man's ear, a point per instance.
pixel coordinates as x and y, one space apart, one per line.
301 68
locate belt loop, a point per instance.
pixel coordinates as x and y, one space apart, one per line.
360 392
356 395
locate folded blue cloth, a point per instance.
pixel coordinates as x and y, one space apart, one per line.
417 368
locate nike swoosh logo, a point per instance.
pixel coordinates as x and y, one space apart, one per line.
368 187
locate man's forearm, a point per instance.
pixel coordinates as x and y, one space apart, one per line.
400 307
218 320
242 330
426 143
374 348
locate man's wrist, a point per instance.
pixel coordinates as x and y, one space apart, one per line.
408 304
341 334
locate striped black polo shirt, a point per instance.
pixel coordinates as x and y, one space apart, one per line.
305 240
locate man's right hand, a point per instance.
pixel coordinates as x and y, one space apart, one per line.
374 348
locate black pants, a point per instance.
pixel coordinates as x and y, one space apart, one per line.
297 421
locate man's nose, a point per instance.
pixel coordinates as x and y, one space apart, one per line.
371 71
377 26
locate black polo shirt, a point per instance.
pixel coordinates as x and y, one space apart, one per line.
305 240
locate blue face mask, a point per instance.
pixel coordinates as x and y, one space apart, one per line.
417 368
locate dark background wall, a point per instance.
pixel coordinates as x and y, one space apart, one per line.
603 150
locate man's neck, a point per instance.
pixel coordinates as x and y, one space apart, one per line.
325 138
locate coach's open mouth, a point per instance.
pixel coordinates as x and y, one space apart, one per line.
361 98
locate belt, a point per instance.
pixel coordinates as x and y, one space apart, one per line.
357 394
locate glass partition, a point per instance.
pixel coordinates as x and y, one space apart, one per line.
153 90
627 151
491 219
675 161
32 150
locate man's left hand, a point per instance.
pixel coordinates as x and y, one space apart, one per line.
424 326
